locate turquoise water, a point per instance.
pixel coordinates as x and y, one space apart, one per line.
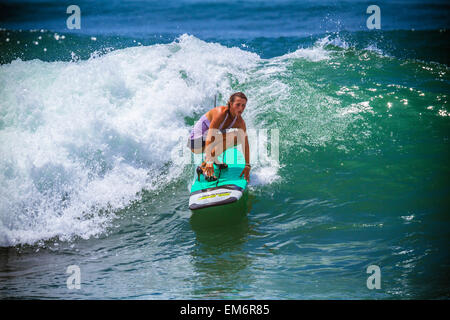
92 132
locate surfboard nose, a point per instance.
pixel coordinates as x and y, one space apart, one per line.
214 197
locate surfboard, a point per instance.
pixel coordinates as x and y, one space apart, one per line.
228 188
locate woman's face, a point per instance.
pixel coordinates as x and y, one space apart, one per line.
238 106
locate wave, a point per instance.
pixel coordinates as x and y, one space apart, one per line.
82 139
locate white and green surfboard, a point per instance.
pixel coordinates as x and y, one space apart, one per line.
228 188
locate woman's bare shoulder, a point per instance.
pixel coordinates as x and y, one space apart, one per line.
217 113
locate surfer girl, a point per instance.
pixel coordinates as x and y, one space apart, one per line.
209 135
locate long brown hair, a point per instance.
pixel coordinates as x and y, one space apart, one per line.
233 97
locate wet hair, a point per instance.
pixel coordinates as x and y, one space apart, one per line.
233 97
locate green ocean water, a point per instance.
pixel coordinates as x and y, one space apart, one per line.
92 129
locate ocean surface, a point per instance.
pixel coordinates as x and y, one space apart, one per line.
94 171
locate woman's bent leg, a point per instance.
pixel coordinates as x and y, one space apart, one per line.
229 140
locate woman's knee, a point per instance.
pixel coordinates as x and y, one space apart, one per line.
197 151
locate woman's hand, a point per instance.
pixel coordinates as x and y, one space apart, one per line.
209 169
246 173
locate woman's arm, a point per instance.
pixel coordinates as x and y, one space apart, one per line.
243 130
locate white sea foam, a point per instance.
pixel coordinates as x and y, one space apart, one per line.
314 53
81 139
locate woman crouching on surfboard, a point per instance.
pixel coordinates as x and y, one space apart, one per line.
205 135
